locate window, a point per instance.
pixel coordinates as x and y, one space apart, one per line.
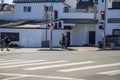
48 8
85 0
27 9
13 36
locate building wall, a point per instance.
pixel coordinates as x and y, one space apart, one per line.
34 37
80 34
27 37
110 14
37 10
7 15
72 3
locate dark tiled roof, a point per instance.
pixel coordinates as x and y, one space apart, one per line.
6 7
36 1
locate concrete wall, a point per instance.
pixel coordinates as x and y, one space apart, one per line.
72 3
110 13
34 37
7 15
27 37
78 15
80 34
37 10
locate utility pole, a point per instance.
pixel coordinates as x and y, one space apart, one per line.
51 26
105 22
46 19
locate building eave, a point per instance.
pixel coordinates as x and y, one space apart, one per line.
81 21
37 1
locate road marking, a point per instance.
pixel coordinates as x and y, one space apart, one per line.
114 72
39 76
90 67
21 62
12 78
4 61
20 65
59 65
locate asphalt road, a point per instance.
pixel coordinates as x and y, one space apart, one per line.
60 65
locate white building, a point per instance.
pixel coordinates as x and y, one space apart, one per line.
82 28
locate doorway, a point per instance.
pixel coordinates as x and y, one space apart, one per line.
68 39
92 37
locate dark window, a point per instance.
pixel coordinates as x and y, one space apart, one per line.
12 36
67 27
66 9
116 5
102 0
116 32
27 9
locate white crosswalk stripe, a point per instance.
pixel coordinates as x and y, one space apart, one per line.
5 61
90 67
39 63
21 62
59 65
39 76
114 72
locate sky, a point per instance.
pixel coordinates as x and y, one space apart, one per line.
8 1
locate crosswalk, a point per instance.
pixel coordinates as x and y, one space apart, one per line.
59 66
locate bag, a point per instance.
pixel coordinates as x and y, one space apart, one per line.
61 42
1 41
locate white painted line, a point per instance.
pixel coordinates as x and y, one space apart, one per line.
21 62
20 65
40 76
114 72
59 65
12 78
90 67
5 61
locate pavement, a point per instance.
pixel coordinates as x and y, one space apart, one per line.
81 49
53 49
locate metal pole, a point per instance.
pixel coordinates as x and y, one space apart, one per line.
51 27
46 19
51 39
105 23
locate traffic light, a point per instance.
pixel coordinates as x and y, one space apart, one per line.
55 14
103 15
56 25
101 27
59 24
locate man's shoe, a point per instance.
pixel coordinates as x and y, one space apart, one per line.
1 49
8 50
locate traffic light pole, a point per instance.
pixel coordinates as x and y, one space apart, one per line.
105 21
51 27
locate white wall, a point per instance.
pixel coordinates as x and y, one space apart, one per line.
34 37
78 15
27 37
7 15
80 34
37 10
113 13
57 36
72 3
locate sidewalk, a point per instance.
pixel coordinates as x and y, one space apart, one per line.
81 49
53 49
